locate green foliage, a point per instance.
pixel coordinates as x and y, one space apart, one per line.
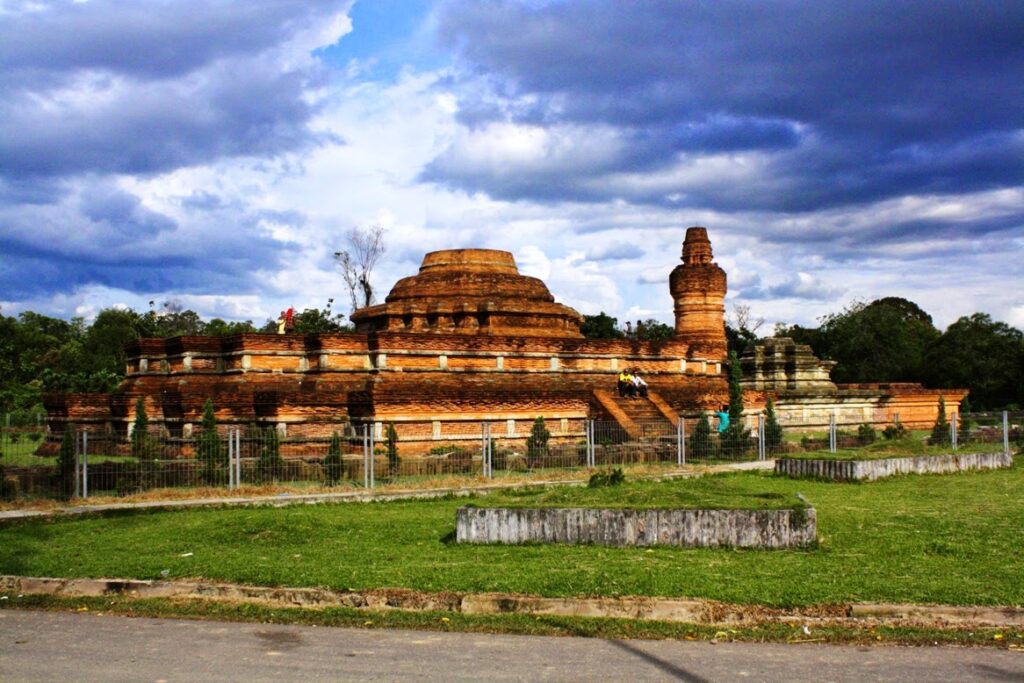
940 432
655 330
269 464
210 450
735 440
883 341
894 432
982 355
738 340
773 435
66 461
963 427
142 445
333 462
699 443
391 440
865 434
607 477
537 442
601 326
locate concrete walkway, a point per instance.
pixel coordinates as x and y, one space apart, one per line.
283 499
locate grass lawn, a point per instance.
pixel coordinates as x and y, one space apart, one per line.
716 493
896 448
953 539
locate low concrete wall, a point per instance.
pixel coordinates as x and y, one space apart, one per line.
869 470
703 528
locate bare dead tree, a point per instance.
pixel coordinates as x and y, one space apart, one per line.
743 319
365 249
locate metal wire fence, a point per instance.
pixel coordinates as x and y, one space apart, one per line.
369 455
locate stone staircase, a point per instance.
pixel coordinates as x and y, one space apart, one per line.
641 418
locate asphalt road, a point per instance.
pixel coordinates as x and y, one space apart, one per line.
57 646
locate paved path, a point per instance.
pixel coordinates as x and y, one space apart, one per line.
59 646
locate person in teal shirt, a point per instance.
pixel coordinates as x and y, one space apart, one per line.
723 419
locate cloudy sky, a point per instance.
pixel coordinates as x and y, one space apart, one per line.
215 153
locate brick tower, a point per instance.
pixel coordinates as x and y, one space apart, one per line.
698 289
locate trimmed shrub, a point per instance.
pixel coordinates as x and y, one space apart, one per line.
700 445
865 434
333 462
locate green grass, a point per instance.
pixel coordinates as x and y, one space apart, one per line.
896 448
951 539
719 493
523 624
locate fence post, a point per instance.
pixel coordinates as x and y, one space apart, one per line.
85 464
366 459
682 436
760 436
236 436
679 442
832 433
593 444
954 418
1006 433
590 442
373 458
78 465
231 459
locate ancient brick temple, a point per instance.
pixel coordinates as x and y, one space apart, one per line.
466 340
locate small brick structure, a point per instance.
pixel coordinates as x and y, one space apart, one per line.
870 470
760 529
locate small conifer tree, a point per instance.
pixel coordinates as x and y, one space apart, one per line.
735 440
772 429
699 445
270 463
66 461
940 432
391 441
537 442
209 448
332 463
140 432
963 427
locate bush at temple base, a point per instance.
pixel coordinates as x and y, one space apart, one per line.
940 432
700 444
537 443
209 448
332 462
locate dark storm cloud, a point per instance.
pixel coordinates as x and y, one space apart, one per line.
846 102
111 87
102 235
126 87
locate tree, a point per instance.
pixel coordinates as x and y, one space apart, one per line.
773 435
140 432
365 249
735 440
655 330
66 461
391 437
741 328
601 326
537 441
940 432
982 355
333 462
699 444
963 433
883 341
269 464
209 449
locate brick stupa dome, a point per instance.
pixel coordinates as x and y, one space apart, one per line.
471 291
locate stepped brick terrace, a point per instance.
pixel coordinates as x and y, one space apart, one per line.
468 340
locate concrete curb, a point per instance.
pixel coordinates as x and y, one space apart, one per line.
635 607
283 500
